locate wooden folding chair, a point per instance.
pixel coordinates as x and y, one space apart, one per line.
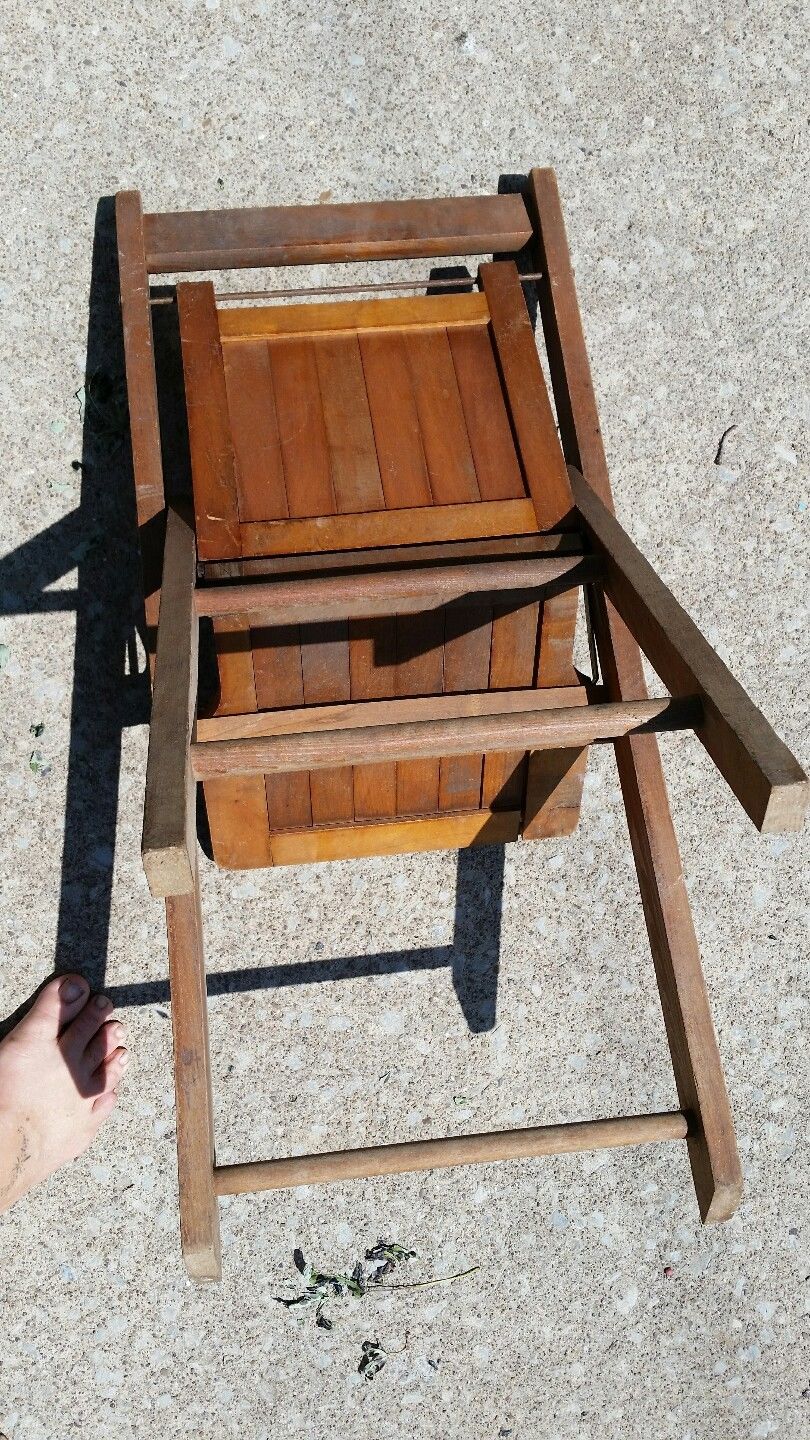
388 537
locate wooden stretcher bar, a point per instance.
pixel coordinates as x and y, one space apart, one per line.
538 728
411 1155
348 596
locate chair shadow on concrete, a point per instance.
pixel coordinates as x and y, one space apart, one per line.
110 689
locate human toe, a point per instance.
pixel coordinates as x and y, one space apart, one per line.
82 1029
57 1005
102 1045
111 1070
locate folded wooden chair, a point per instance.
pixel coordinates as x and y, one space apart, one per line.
387 539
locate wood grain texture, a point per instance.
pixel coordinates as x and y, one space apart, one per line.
169 818
529 405
554 782
279 683
690 1032
199 1209
209 429
467 644
768 781
347 420
237 805
448 706
442 426
315 234
410 1155
373 658
410 587
496 463
351 317
420 667
497 547
395 419
398 837
408 526
260 488
144 424
513 657
302 436
327 678
425 739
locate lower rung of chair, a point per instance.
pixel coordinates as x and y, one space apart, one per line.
453 1150
532 729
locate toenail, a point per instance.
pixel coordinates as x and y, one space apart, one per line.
123 1060
102 1003
72 989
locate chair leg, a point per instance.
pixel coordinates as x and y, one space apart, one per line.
693 1045
199 1207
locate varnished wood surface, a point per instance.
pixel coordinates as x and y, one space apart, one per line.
349 596
415 312
421 525
768 781
144 423
395 837
412 1155
169 819
548 728
314 234
684 1000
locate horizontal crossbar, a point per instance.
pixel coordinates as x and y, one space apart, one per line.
532 729
448 552
358 596
453 1150
318 234
348 715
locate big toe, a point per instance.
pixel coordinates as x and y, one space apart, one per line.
57 1004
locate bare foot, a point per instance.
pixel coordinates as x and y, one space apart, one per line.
59 1069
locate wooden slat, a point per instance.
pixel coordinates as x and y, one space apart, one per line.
315 234
209 431
529 405
349 434
420 662
425 739
425 524
237 805
302 434
513 658
410 1155
261 493
497 547
373 658
326 676
350 317
467 643
554 781
279 682
766 778
399 837
387 712
693 1045
441 418
169 820
144 424
332 597
395 419
496 463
